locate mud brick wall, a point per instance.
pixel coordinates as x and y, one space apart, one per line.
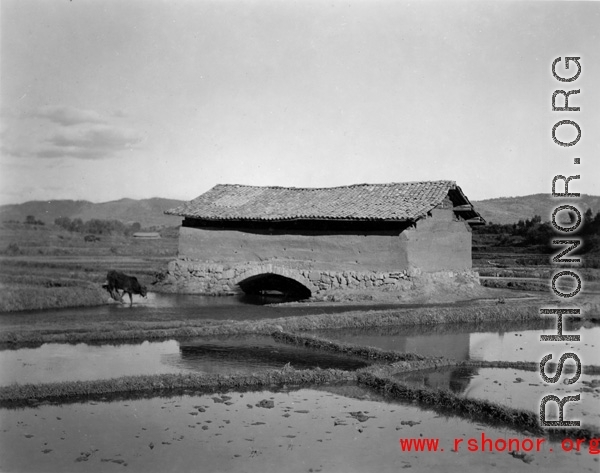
214 260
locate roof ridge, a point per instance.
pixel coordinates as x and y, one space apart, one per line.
399 201
348 186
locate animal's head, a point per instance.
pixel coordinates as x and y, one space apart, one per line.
143 291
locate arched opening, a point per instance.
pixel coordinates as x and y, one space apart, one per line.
274 285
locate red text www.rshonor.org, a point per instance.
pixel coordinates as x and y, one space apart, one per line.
487 444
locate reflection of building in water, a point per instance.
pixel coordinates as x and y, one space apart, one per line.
213 357
403 339
454 379
448 345
453 345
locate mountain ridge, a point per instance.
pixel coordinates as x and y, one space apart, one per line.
507 210
150 212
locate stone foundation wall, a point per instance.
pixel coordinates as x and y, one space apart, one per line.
193 277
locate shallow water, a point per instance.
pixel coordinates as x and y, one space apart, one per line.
490 342
336 429
515 388
169 307
53 362
172 307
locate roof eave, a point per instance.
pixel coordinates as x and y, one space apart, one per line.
300 219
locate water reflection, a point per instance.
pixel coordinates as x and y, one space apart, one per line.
491 342
509 341
172 307
515 388
54 362
456 380
526 345
257 352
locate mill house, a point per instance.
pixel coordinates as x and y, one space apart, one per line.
305 241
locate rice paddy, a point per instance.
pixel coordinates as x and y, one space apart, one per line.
227 394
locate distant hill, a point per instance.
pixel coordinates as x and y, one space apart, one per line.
148 212
505 210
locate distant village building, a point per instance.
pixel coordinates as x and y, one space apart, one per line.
305 240
146 235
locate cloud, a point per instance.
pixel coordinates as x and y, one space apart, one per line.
69 116
102 137
72 133
90 142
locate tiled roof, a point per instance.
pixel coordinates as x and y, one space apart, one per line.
394 201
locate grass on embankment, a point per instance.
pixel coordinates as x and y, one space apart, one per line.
164 384
133 331
33 297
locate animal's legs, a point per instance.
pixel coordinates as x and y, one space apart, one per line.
118 296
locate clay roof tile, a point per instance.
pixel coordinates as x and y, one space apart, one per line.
394 201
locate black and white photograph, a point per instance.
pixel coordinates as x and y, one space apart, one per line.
299 236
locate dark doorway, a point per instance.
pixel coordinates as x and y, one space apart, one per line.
269 284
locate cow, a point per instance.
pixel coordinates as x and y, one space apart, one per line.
116 280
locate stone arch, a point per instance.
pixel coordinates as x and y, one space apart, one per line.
273 277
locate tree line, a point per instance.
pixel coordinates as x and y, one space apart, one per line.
534 232
97 227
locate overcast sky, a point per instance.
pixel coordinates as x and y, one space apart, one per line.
102 100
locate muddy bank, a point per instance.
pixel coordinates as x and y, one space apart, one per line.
530 285
537 272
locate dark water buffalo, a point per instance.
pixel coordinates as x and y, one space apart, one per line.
116 281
